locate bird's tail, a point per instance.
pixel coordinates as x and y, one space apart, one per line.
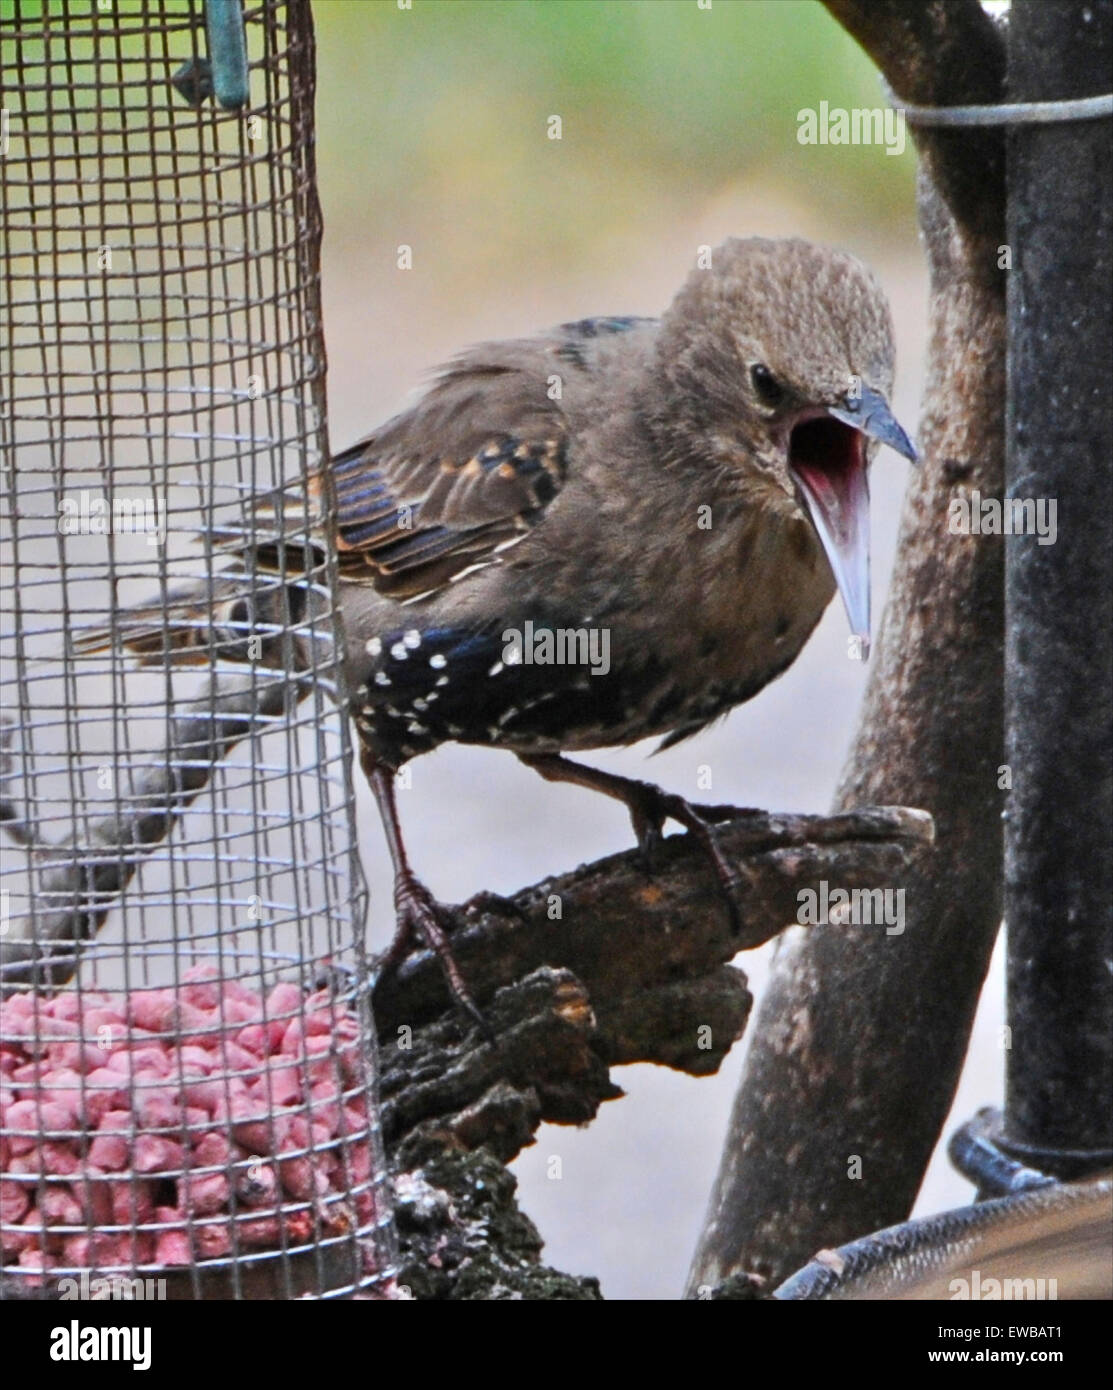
236 614
191 624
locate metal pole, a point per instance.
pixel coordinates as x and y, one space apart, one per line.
1059 598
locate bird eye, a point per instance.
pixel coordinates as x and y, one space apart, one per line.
766 384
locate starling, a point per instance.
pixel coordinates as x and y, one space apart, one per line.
620 528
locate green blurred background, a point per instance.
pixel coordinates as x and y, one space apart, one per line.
679 126
665 105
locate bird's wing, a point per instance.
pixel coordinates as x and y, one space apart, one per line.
436 491
465 473
469 470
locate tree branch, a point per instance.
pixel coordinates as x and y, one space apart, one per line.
942 55
653 951
635 969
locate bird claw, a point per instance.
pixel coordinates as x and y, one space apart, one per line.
648 831
649 846
650 806
420 914
494 904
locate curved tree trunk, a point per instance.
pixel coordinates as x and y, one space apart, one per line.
861 1037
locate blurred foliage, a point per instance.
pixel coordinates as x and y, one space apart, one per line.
433 120
445 106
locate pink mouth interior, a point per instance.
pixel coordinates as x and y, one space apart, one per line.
824 454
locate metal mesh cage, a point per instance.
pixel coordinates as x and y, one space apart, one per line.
188 1064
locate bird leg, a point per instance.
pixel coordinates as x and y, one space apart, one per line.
417 911
650 806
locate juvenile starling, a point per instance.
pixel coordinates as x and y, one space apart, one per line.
620 528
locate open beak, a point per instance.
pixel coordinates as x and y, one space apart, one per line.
828 461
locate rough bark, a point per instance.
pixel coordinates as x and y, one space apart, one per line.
861 1037
636 969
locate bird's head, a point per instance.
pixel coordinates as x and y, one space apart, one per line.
778 357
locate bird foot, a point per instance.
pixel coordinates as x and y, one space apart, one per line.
420 915
650 807
493 903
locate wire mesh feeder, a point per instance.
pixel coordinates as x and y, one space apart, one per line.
188 1067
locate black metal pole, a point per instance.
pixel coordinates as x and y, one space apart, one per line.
1059 597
